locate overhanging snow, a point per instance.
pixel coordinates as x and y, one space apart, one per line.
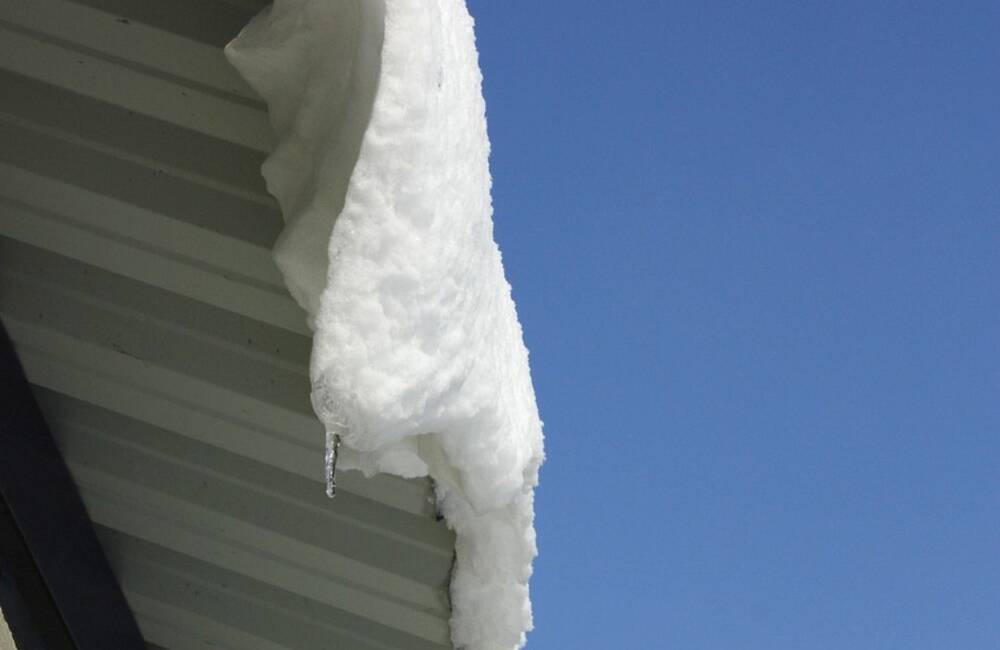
381 170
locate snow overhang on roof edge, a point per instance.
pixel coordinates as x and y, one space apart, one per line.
418 363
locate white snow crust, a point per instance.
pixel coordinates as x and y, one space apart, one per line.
381 170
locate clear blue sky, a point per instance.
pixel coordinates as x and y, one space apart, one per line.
755 249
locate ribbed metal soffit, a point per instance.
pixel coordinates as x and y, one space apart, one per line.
170 362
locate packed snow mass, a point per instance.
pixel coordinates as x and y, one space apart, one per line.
418 366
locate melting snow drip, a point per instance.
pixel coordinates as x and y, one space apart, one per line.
331 453
418 365
332 449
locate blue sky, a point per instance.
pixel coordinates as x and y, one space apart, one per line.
755 250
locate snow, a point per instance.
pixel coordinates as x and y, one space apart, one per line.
418 364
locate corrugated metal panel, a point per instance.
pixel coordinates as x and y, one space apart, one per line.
137 283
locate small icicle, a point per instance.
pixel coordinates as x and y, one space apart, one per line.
332 447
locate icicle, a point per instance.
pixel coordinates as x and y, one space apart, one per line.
332 447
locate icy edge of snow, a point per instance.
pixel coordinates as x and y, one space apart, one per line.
381 170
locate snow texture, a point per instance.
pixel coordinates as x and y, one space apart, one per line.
418 364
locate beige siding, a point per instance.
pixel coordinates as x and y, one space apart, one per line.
136 281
